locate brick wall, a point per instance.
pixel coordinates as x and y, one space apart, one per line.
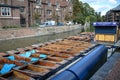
27 32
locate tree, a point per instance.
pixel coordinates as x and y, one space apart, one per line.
55 17
76 10
68 17
83 12
36 16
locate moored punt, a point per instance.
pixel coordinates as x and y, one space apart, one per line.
2 54
46 64
56 59
11 56
7 65
5 60
44 60
32 70
13 52
15 75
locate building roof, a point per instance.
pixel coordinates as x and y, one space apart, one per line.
63 3
116 8
11 6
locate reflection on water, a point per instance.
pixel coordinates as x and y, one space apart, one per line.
23 42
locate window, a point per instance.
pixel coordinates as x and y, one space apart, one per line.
57 4
5 11
49 4
21 0
21 9
49 12
38 2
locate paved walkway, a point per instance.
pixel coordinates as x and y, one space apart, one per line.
110 70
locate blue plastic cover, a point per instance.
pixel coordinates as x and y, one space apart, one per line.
65 75
34 59
32 51
27 54
43 56
11 57
82 67
100 24
6 68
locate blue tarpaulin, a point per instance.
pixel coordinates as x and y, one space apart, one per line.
34 59
43 56
6 68
28 53
23 55
11 57
32 51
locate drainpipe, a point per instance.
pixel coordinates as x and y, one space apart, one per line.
44 13
28 14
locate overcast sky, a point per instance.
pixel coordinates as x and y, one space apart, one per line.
102 5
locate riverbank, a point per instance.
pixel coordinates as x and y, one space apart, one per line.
31 32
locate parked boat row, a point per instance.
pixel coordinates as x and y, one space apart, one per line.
40 61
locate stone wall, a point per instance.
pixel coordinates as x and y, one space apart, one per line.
29 32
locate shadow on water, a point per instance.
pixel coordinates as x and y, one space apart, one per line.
23 42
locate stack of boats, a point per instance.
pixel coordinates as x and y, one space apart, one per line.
40 61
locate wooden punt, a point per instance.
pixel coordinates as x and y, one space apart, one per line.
1 78
15 75
52 52
33 71
22 58
13 52
2 54
5 60
30 47
22 49
56 59
63 55
18 58
46 64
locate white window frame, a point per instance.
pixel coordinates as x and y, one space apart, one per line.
5 11
49 12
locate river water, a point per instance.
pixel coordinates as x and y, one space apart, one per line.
7 45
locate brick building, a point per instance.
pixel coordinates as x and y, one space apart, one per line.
113 14
23 12
9 14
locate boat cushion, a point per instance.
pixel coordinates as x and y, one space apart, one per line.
6 68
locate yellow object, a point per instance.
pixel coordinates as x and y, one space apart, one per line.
106 37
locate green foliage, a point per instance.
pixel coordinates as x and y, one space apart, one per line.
10 27
36 17
55 17
68 17
34 25
82 12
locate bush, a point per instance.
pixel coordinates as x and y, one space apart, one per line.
35 25
9 27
